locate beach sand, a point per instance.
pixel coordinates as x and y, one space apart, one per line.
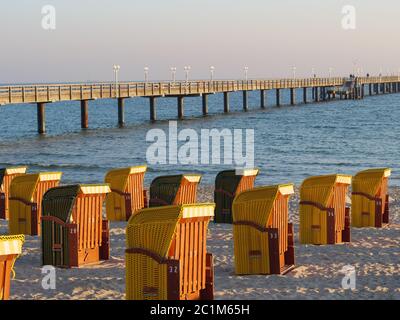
375 254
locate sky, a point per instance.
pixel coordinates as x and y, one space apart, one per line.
267 36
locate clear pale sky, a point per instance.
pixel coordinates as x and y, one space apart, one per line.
267 36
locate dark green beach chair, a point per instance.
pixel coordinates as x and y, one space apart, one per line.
73 230
174 190
228 184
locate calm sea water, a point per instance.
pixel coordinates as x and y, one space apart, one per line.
291 143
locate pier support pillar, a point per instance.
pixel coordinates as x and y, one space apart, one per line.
278 97
376 88
121 112
245 101
316 94
205 104
180 107
323 93
84 114
153 110
305 95
226 102
262 99
292 96
41 117
370 89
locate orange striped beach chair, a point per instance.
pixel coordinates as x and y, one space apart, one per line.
74 232
173 190
127 192
10 249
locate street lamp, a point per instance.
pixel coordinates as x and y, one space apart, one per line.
187 70
294 72
246 73
212 69
146 74
116 69
173 74
330 72
312 72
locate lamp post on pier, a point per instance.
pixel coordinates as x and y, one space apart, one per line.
187 70
146 74
173 74
116 69
212 69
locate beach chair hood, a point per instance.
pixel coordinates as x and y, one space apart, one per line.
118 178
260 200
369 181
318 189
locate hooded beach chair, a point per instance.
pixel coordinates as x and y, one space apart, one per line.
324 217
26 194
6 176
73 230
127 192
166 255
263 237
228 184
173 190
10 249
370 199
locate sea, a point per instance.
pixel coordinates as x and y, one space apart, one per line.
290 142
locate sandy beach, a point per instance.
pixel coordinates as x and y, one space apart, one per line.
375 254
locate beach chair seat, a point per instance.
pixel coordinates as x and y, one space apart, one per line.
127 192
10 249
324 217
6 176
370 198
26 194
74 232
263 236
166 255
174 190
228 184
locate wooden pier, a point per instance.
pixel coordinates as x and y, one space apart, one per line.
323 89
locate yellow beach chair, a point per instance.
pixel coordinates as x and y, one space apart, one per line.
173 190
166 255
263 237
324 217
370 199
26 194
127 192
10 249
6 176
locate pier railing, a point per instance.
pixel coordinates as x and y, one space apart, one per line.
66 92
